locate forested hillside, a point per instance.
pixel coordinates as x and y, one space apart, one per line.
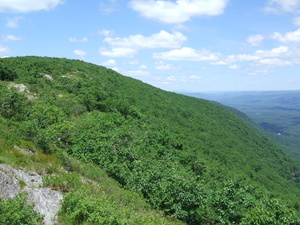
277 112
190 159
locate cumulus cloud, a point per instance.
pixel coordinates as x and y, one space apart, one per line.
279 52
275 62
180 11
13 22
187 54
278 6
162 39
79 53
163 66
78 40
276 57
255 40
110 62
116 69
289 37
118 52
25 6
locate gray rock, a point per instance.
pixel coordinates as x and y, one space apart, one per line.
20 87
9 185
46 202
30 181
48 76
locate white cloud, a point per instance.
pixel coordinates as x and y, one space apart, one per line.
195 77
110 62
173 78
79 53
78 40
242 57
289 37
162 39
281 51
255 40
275 62
296 21
278 6
187 54
13 22
24 6
11 38
118 52
180 11
276 57
4 50
143 67
163 66
116 69
106 33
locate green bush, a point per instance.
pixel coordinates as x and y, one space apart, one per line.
16 212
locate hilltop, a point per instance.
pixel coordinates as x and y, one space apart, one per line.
189 159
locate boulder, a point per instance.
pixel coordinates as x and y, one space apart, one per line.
44 200
9 185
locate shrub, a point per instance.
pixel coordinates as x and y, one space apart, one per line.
16 212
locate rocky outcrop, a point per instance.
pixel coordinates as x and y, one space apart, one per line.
9 185
24 89
45 201
20 87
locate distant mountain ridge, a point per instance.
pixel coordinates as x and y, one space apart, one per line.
190 159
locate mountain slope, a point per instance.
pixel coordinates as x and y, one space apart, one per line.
190 158
277 112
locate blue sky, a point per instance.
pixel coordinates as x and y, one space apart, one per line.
178 45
